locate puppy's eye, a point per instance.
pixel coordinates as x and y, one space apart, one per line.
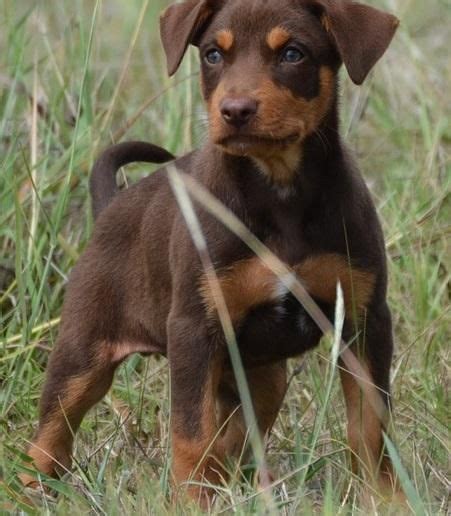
213 57
291 55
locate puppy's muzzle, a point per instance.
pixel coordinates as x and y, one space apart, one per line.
238 111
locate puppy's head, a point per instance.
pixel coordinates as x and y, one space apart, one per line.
269 67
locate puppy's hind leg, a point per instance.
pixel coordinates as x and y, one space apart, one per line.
79 374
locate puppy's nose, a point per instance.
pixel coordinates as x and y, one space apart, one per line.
238 111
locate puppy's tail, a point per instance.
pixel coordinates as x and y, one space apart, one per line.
103 184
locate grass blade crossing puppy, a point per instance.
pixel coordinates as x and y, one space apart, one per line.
274 157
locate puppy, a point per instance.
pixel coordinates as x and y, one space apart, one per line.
275 158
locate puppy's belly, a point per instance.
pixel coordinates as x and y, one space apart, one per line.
274 332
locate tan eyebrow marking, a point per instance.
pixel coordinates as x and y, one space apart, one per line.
277 37
325 22
225 39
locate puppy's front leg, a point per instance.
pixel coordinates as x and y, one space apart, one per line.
367 416
195 366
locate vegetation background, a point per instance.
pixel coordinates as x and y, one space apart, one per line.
78 75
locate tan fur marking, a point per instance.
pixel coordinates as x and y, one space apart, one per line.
280 165
249 283
188 466
50 452
320 274
300 115
225 39
245 284
123 350
325 22
216 122
277 38
365 434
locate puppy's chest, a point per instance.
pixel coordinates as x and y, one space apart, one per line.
284 232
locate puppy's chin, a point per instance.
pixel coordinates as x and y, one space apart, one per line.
240 148
255 145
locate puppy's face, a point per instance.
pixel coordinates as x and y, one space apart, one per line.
269 66
268 76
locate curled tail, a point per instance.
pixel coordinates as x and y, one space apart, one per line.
103 184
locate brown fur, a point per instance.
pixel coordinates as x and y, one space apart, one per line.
267 385
274 157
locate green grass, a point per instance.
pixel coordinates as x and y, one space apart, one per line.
93 73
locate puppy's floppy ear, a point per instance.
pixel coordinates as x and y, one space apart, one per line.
179 26
361 33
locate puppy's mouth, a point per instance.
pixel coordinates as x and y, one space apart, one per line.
253 144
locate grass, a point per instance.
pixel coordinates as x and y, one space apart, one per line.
75 76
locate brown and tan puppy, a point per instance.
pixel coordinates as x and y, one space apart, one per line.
275 158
